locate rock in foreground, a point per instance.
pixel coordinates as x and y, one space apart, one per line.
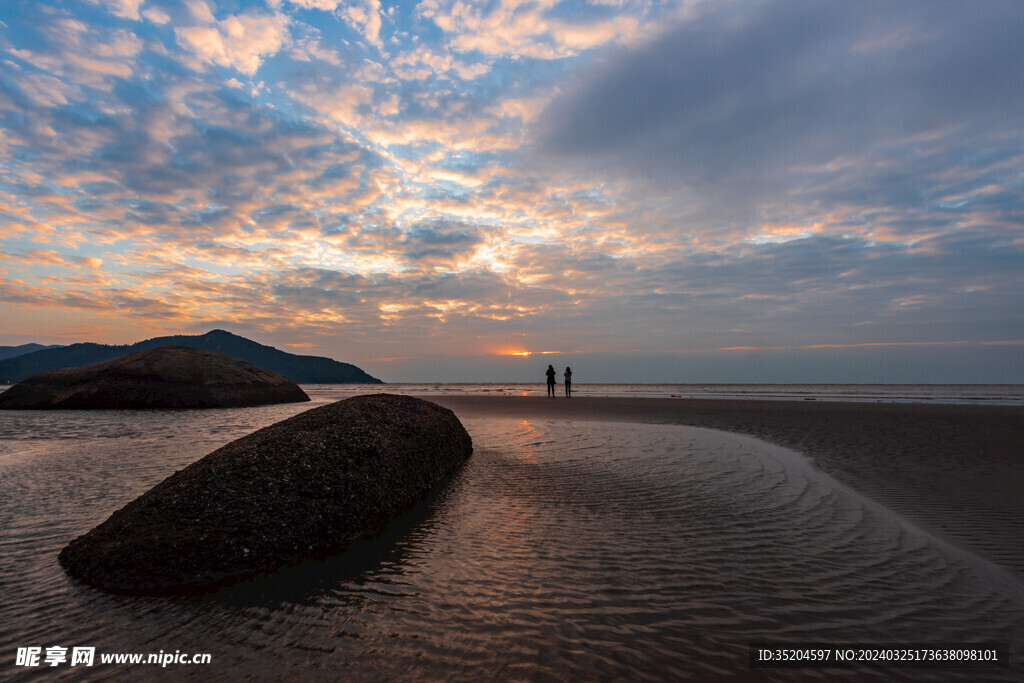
164 377
310 484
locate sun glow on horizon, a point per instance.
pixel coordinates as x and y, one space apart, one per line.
527 353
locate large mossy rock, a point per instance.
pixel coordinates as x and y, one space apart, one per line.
164 377
308 485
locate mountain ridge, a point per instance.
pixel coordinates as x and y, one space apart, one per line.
20 350
299 369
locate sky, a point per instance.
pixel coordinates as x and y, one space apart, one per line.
453 191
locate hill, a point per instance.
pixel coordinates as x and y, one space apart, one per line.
164 377
299 369
12 351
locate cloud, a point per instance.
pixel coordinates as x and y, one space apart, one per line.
423 63
826 98
240 41
49 257
44 90
82 55
325 5
200 11
311 48
156 15
126 9
581 176
365 17
527 29
439 242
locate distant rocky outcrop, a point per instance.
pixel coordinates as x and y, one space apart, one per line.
164 377
299 369
308 485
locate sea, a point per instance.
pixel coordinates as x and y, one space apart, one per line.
560 551
989 394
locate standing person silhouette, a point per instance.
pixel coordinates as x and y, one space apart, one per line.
568 381
551 381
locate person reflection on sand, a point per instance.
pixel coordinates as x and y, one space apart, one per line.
568 381
551 381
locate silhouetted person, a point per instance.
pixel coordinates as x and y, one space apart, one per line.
551 381
568 381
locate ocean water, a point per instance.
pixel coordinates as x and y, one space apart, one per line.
990 394
561 550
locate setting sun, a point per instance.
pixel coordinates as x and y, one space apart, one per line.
527 353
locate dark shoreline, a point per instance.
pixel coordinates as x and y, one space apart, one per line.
957 470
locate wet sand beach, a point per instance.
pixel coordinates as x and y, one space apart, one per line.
955 470
590 539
